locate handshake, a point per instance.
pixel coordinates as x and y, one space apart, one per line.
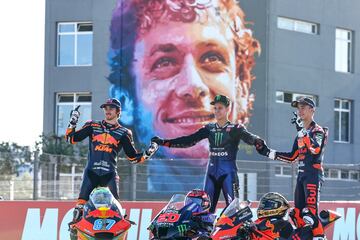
263 149
154 146
148 153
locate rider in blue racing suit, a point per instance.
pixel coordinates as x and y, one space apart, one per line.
224 138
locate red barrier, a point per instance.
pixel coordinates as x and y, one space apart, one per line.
42 220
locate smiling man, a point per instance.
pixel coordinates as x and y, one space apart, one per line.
174 55
106 139
224 138
168 60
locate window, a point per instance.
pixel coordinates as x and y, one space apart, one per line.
65 103
343 50
74 44
288 97
297 25
334 173
342 110
283 171
354 175
342 174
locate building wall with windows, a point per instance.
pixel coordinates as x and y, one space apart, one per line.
314 52
76 43
310 49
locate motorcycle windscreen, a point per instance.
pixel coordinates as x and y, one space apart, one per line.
102 198
177 202
235 206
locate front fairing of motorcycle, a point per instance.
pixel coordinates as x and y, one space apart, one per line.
175 220
231 220
102 220
327 217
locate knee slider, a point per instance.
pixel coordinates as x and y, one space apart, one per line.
309 217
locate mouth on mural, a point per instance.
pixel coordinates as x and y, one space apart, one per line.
190 117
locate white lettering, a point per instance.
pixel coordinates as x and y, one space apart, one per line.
344 228
135 217
358 227
145 222
64 228
219 154
34 230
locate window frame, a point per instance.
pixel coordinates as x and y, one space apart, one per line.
294 96
74 104
340 110
75 33
282 171
350 51
339 174
295 22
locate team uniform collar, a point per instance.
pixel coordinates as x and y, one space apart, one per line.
225 125
109 125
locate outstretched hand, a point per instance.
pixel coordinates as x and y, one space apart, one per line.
158 140
261 147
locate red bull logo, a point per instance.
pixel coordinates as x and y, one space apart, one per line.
106 139
103 213
224 220
312 195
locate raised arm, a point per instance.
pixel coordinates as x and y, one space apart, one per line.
73 136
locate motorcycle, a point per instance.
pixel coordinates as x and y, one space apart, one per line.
235 223
182 220
102 218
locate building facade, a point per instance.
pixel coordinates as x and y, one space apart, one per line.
307 49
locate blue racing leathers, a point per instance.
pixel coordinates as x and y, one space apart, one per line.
223 147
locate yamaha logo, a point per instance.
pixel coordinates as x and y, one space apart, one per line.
219 154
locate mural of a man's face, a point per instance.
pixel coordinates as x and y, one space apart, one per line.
179 73
181 62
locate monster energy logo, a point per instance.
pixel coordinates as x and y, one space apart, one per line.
218 138
182 229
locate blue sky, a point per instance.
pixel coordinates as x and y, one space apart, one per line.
22 70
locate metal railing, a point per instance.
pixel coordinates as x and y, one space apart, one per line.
60 179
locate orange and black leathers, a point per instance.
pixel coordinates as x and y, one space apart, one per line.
309 151
105 143
276 228
224 142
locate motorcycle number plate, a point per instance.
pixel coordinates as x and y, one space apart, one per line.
168 217
103 224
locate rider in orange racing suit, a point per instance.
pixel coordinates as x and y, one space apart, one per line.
106 139
308 149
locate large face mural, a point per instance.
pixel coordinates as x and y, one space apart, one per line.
169 58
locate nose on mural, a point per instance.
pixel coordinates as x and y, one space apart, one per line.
192 85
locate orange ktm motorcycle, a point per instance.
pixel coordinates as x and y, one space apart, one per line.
235 223
102 218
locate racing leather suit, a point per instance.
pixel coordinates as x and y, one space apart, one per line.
309 151
105 143
223 147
